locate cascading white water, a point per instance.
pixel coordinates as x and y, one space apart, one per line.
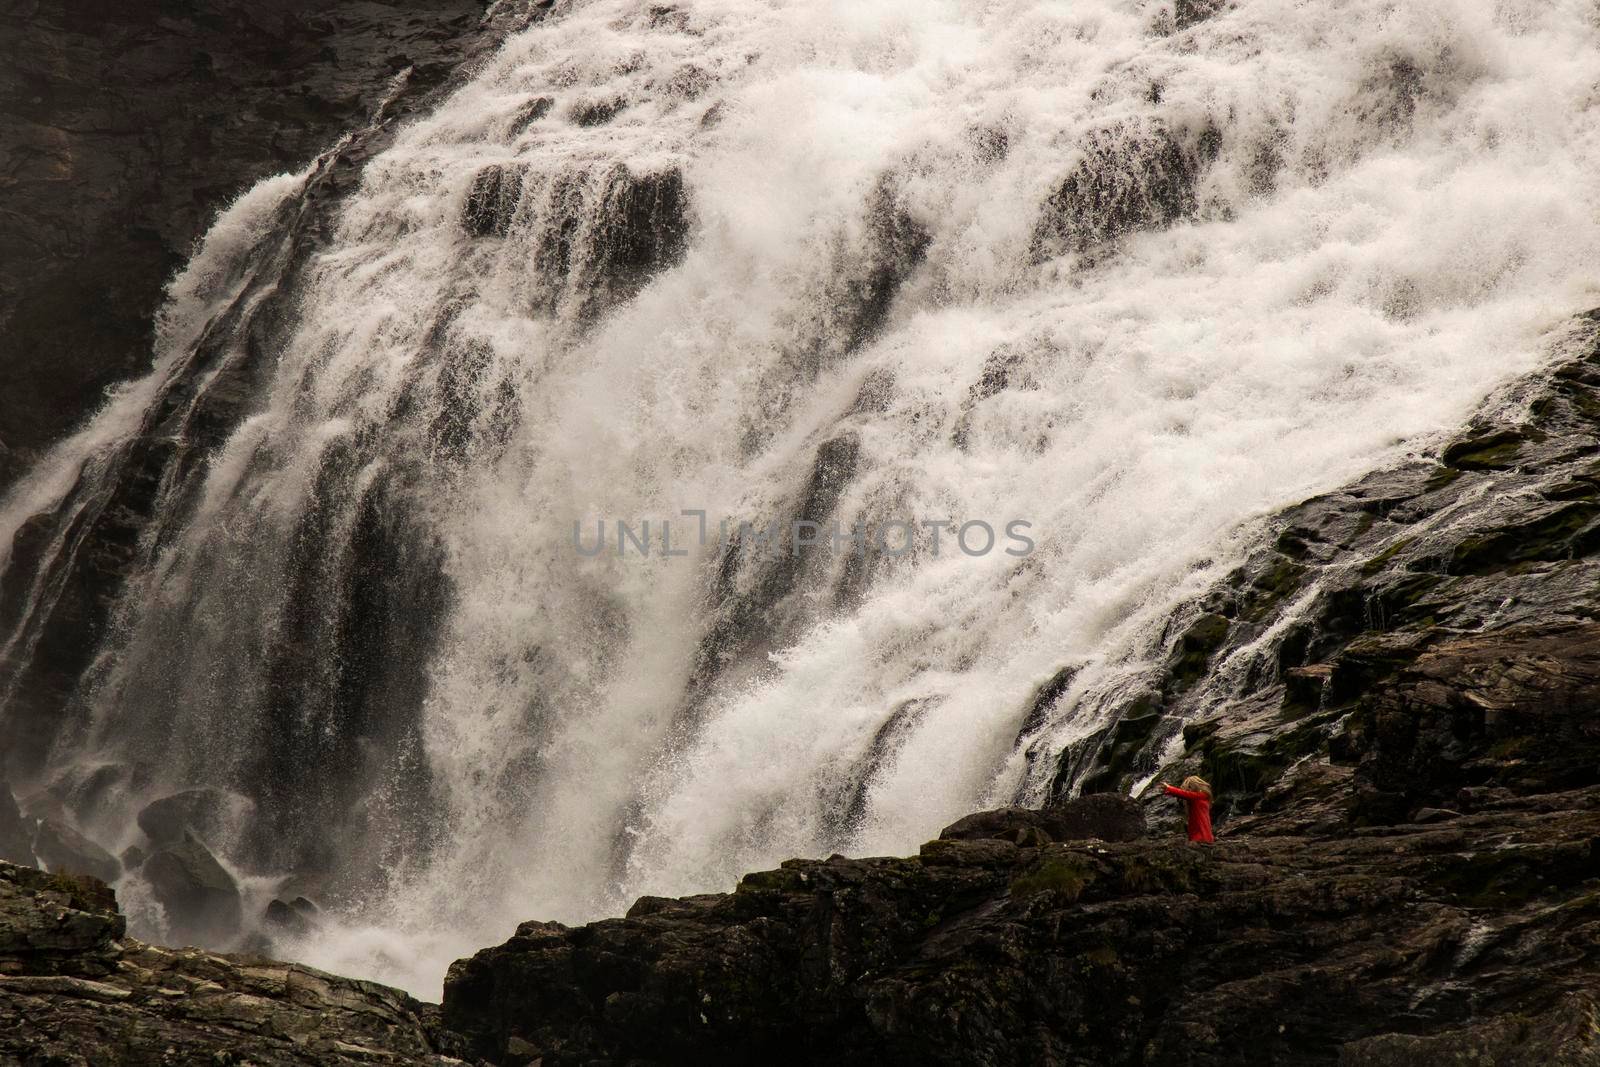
1379 209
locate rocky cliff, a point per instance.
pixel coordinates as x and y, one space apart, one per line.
124 128
75 991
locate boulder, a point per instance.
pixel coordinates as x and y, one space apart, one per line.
1106 816
1100 816
200 896
297 917
62 849
211 813
1020 826
16 832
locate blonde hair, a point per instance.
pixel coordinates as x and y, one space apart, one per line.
1196 784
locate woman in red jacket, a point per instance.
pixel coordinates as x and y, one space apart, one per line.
1196 794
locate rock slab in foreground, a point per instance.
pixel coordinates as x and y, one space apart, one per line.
75 991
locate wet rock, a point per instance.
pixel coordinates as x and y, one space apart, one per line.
492 200
91 791
642 227
1491 547
597 112
297 917
200 897
597 235
536 109
64 850
1020 826
213 814
1512 708
1134 175
16 832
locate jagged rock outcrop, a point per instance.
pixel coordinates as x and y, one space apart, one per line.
75 992
124 127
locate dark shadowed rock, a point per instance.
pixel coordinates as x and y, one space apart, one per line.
200 897
63 849
1100 816
1020 826
16 832
210 813
51 923
1106 816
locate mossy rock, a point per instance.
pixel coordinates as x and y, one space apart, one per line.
1271 587
1065 877
1568 532
1192 657
1494 451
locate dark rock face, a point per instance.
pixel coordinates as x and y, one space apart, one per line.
1513 710
125 127
492 200
64 850
200 897
75 991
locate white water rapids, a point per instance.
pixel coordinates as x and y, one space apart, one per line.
1392 203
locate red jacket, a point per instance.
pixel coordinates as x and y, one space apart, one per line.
1199 806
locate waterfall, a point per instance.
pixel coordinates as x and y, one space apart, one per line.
1133 274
